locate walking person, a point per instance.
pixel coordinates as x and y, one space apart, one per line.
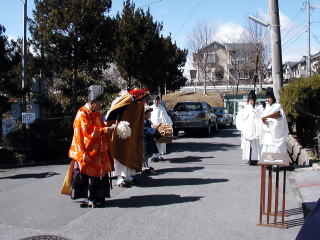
89 152
247 121
150 133
127 152
159 115
274 127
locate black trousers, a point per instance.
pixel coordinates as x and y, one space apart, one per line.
96 189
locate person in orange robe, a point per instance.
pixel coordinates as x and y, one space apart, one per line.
89 150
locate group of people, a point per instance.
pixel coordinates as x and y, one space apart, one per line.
263 128
118 145
124 141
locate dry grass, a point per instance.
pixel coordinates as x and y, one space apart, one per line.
212 98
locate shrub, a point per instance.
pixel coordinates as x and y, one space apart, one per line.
301 102
46 139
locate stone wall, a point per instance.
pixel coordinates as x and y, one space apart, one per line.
299 155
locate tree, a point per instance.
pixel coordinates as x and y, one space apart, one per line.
242 57
136 37
76 38
173 60
9 65
259 36
142 56
199 42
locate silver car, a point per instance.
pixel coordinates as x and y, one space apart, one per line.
224 118
189 116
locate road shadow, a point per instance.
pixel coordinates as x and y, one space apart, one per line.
45 237
144 180
187 159
293 211
293 222
150 201
199 147
31 175
228 132
183 169
231 131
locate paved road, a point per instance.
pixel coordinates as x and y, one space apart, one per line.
201 191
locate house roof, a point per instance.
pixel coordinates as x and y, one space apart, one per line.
291 64
234 46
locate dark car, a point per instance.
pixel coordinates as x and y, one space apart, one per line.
189 116
224 118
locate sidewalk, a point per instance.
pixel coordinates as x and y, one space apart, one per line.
307 181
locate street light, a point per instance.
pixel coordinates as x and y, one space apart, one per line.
277 75
258 21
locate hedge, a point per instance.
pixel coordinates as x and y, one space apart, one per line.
301 102
45 140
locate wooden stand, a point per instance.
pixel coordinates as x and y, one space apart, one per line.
272 166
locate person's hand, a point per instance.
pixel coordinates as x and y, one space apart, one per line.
110 129
264 120
158 126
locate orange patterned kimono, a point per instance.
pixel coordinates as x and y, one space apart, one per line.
89 144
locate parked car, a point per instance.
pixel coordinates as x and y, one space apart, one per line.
224 118
189 116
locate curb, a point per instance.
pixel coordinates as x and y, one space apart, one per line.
313 167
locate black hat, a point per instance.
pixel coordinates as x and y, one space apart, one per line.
252 95
269 94
157 98
95 92
147 108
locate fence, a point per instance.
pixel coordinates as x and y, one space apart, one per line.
220 88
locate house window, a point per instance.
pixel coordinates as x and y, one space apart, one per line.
210 57
243 73
213 77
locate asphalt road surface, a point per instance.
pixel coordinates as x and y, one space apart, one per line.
202 190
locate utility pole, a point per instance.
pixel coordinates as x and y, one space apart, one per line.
24 57
277 73
308 38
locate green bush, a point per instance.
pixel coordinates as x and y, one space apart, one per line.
46 139
301 102
301 93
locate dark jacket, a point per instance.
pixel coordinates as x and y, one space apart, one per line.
150 133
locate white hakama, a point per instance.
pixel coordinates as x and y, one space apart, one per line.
248 122
160 115
274 134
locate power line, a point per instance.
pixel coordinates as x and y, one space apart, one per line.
191 13
288 31
293 40
297 34
293 33
149 4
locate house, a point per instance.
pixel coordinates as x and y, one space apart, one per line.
299 69
293 70
224 63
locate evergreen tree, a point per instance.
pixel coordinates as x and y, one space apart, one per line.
143 56
76 38
9 65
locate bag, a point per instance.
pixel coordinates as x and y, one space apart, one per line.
67 183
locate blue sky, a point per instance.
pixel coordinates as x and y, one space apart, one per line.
228 17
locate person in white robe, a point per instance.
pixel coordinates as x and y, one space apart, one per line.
274 129
248 121
159 115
